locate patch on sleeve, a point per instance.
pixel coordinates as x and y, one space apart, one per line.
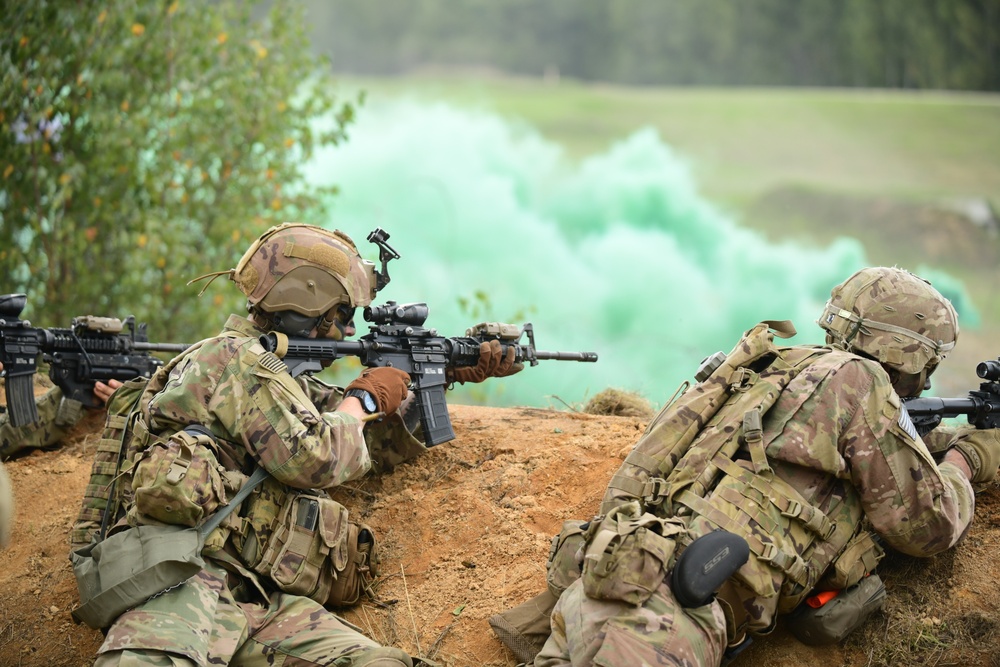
906 424
271 362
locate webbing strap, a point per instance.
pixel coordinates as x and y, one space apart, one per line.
753 433
791 564
783 496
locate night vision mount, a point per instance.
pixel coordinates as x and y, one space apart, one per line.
385 253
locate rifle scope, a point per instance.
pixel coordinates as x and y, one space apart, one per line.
413 314
989 370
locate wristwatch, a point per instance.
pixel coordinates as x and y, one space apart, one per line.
368 403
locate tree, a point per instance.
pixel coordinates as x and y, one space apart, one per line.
146 143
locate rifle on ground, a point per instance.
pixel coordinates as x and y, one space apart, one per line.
93 349
982 407
399 339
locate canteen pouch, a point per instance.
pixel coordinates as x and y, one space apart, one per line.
178 480
629 554
131 566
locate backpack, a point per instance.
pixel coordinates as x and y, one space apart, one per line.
687 457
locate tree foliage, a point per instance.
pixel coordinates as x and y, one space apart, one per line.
146 143
951 44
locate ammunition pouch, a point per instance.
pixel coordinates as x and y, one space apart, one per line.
316 552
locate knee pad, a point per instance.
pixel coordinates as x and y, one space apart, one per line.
382 656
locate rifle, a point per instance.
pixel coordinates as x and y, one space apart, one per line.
981 407
398 339
93 349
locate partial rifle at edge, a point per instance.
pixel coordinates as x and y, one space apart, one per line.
398 339
93 349
981 407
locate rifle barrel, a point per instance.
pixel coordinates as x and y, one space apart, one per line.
566 356
161 347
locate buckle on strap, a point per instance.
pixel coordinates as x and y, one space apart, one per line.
742 379
811 517
654 491
790 564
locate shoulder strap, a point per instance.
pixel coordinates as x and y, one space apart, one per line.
258 476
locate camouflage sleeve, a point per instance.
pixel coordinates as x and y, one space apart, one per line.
391 440
918 507
56 416
257 403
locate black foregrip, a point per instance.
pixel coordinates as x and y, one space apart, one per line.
434 417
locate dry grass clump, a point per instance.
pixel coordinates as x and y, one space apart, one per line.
617 402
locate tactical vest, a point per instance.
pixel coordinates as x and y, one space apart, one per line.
702 459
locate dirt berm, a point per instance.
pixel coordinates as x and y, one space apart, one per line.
465 532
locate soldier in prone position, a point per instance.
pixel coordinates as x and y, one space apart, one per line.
810 476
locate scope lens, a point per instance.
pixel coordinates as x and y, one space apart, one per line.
989 370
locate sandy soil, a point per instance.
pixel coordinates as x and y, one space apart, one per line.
465 533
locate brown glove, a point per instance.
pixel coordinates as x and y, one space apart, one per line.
387 385
981 449
492 364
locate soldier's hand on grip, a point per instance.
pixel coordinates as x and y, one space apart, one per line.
981 449
389 386
493 363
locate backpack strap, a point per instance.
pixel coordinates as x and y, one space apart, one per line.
258 476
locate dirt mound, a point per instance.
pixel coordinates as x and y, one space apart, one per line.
465 533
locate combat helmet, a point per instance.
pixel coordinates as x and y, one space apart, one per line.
298 277
895 318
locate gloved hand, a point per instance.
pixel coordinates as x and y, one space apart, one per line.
492 364
388 385
981 449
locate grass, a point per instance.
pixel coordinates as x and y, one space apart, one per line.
806 164
742 142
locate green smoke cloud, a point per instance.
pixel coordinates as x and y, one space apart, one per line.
618 254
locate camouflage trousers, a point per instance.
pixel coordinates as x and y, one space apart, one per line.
56 415
658 633
199 623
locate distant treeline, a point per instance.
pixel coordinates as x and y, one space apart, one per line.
950 44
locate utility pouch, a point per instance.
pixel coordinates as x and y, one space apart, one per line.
131 566
361 569
629 554
565 556
858 559
178 481
833 621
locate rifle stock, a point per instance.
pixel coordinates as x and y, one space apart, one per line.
398 339
93 349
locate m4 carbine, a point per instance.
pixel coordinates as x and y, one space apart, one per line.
981 407
92 349
398 339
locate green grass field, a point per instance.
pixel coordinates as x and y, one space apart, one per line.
803 164
742 142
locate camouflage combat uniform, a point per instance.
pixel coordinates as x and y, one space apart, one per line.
56 416
258 413
836 435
